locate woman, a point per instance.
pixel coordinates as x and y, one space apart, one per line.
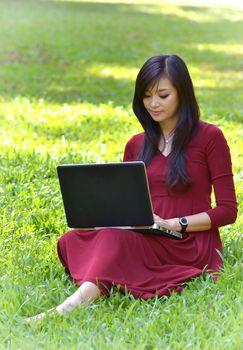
185 158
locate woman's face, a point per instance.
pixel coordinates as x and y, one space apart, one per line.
162 102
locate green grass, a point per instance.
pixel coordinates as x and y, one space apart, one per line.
67 73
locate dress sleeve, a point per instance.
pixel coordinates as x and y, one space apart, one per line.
132 148
220 167
128 152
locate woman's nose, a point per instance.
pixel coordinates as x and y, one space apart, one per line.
154 101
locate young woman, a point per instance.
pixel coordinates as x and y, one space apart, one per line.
185 159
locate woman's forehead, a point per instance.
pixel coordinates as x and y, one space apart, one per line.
162 83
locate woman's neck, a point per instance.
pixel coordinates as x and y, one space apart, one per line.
168 132
168 128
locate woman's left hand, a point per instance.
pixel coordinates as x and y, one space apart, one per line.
196 222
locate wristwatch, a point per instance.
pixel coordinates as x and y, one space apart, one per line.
184 223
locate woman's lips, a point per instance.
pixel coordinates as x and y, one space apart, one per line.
156 113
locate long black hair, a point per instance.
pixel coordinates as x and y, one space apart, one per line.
173 68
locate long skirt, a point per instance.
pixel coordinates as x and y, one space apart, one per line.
142 264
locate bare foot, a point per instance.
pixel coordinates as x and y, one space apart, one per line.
67 306
86 293
38 316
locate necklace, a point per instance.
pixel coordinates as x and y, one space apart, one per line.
169 138
164 144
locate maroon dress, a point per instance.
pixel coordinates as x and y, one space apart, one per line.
150 265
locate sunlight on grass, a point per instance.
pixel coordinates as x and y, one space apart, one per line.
205 75
192 14
117 72
211 10
208 3
52 128
230 48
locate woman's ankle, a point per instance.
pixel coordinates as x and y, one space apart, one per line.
86 293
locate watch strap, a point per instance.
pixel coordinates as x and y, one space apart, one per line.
184 223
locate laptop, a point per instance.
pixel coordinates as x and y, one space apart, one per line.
116 195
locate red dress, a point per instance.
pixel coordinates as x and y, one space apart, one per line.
150 265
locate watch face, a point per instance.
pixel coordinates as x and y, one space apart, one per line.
183 221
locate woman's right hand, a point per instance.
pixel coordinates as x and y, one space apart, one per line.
157 219
170 224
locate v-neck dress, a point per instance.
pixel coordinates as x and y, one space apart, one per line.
152 265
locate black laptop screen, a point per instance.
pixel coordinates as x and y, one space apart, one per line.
105 195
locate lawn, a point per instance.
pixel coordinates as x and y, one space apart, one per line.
67 71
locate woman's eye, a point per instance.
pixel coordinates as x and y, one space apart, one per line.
164 96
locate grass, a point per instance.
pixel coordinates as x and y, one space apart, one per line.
67 71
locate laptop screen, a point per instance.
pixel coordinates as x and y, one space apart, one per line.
105 195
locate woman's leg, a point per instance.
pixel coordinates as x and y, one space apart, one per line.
86 293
